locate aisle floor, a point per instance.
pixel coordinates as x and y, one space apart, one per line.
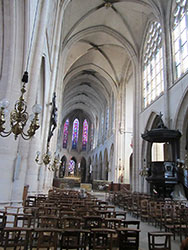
145 227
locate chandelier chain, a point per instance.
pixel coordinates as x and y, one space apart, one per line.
32 36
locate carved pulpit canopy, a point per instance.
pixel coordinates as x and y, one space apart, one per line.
161 133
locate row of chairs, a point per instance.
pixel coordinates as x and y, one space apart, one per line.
168 215
100 230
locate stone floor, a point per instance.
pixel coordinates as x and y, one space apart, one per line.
145 228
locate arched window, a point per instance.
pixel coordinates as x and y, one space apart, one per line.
71 167
180 34
91 137
153 83
65 133
85 135
75 133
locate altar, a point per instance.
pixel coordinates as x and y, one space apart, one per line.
67 182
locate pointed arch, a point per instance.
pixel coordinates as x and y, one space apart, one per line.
85 135
83 169
75 132
65 133
62 168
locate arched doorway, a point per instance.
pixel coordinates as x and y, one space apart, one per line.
72 167
83 170
62 168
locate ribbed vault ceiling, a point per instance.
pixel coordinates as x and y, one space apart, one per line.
100 40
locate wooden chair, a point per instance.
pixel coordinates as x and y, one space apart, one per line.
120 214
128 238
70 222
93 221
144 210
16 237
48 222
73 238
11 213
159 240
101 238
45 238
22 220
135 224
112 223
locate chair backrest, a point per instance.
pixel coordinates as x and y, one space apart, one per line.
70 222
23 220
113 223
48 222
74 239
92 221
128 238
159 240
135 224
102 238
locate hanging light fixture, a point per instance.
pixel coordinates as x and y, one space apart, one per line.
46 159
19 116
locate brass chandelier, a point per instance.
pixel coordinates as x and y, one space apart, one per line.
19 116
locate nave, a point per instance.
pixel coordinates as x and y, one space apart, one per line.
59 219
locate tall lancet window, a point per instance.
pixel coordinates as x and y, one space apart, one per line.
75 131
180 37
65 133
153 79
91 137
85 135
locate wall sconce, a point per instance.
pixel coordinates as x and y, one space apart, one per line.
19 116
46 159
144 172
183 164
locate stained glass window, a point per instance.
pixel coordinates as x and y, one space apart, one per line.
91 137
65 133
180 37
71 167
75 133
85 135
153 82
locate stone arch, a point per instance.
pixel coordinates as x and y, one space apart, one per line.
90 170
181 123
83 170
62 168
68 170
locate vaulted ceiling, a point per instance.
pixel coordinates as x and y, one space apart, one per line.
101 42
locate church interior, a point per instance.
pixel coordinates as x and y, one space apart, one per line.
94 100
